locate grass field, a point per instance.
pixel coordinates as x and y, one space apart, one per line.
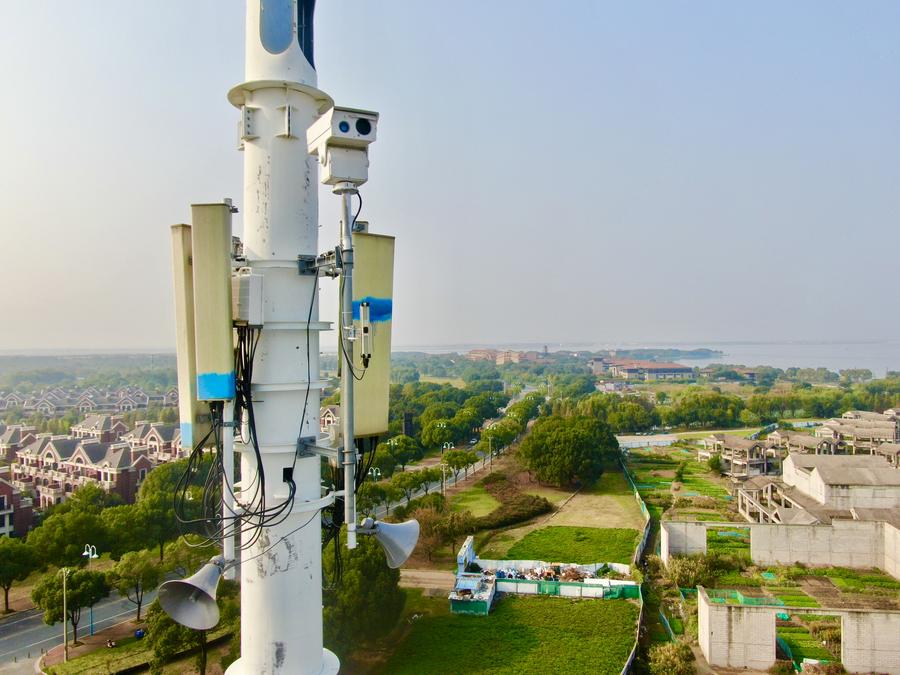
583 545
521 635
475 499
728 540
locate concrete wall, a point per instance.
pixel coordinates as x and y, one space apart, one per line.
891 550
734 636
843 543
681 538
870 642
863 496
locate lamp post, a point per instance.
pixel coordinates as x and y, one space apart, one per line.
375 473
90 552
443 472
447 446
65 573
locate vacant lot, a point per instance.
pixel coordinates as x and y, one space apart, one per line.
608 504
521 635
475 499
583 545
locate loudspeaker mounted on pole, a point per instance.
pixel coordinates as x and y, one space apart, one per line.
192 601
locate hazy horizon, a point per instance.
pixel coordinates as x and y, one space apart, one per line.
597 173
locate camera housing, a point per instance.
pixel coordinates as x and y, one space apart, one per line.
341 137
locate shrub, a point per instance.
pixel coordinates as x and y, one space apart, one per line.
435 501
672 658
520 508
782 668
687 572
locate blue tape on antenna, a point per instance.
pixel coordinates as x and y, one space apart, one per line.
379 308
215 386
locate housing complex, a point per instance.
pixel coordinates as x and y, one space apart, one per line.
58 401
100 450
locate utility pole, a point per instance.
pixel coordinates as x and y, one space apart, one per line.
65 573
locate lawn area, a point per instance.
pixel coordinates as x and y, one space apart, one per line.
521 635
128 653
475 499
697 435
582 545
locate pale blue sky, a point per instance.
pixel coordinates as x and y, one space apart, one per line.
570 171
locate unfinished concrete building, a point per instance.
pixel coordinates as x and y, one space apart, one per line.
741 457
820 488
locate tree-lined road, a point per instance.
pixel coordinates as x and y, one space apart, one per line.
25 633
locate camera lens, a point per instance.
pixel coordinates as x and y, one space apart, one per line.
344 126
363 127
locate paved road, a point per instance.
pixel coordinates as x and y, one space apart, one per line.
26 633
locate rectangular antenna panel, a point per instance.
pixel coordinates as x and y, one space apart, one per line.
373 295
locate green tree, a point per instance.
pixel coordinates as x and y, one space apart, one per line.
367 602
407 482
17 561
186 554
168 639
430 475
404 449
89 498
436 433
84 588
369 497
60 539
566 451
127 527
384 461
456 525
431 529
456 461
135 574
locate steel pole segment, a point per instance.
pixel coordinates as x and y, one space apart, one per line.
228 527
348 456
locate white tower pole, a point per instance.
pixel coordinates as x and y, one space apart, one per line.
281 575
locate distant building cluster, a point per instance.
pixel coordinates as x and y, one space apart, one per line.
635 369
502 357
58 401
102 450
849 468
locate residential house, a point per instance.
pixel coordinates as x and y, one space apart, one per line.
14 438
329 416
741 457
104 428
16 511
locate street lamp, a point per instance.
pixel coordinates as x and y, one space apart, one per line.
65 574
447 446
90 552
375 473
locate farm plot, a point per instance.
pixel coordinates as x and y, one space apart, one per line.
521 635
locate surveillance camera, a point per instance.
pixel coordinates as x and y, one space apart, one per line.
342 128
341 138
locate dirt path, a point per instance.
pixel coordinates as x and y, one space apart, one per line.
437 580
